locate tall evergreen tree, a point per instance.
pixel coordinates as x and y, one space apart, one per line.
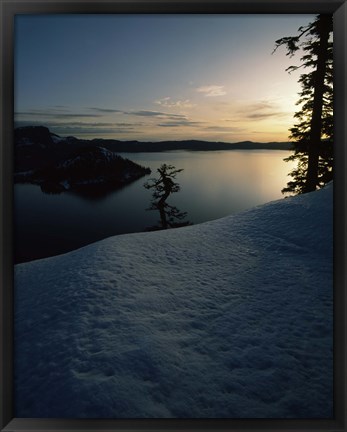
313 134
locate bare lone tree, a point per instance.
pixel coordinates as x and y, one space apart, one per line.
163 187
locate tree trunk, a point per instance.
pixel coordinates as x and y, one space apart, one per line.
324 26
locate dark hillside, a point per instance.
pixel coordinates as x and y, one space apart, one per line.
58 165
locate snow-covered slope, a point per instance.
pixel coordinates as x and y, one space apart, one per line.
230 318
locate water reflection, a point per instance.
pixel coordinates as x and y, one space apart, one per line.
90 193
213 185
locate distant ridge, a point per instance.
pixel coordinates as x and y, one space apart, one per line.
191 145
135 146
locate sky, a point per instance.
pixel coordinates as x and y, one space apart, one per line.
157 77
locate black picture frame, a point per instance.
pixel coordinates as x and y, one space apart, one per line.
9 8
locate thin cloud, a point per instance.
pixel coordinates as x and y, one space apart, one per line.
168 102
79 124
81 128
140 113
180 123
144 113
54 114
97 131
263 116
259 106
260 111
212 90
130 125
82 124
224 129
99 112
106 110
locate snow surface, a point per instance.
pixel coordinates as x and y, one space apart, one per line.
230 318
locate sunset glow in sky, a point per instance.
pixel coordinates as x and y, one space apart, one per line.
157 77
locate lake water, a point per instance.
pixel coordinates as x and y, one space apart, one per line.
213 185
